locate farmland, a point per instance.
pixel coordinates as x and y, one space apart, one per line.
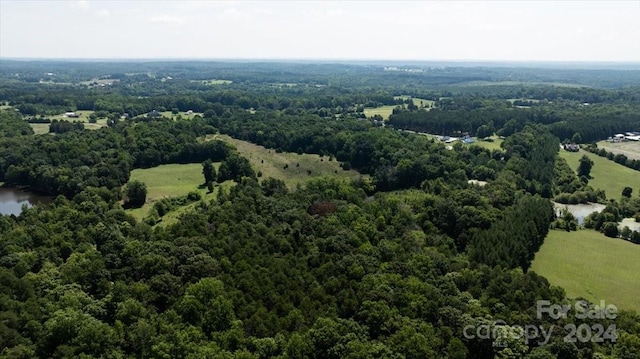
606 175
386 111
494 144
589 265
630 149
181 114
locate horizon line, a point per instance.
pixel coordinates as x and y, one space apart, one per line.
307 59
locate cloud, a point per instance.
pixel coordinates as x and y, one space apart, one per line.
233 13
103 13
82 4
167 19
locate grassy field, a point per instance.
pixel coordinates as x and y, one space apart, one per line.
171 180
84 116
495 145
386 111
40 128
271 164
214 82
589 265
629 149
606 175
43 128
183 114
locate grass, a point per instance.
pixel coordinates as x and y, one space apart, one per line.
169 114
629 149
606 175
84 116
43 128
214 82
589 265
166 181
272 164
495 145
386 111
40 128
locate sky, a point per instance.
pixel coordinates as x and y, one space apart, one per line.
504 30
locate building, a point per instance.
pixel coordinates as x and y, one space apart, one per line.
572 147
154 113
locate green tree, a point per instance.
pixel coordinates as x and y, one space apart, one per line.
610 229
577 138
209 171
584 169
627 191
135 193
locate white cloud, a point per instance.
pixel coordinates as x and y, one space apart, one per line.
82 4
103 13
234 13
167 19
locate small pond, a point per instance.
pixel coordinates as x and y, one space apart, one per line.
12 200
580 211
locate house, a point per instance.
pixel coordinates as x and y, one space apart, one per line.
71 115
190 112
571 147
468 139
632 138
154 114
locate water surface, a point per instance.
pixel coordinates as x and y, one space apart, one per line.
12 200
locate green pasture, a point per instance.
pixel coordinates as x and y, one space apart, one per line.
589 265
606 174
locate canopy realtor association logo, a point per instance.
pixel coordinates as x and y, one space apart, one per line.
502 334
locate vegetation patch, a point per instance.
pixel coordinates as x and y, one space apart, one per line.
492 143
181 114
166 181
629 149
40 128
589 265
384 111
605 175
387 110
290 167
214 82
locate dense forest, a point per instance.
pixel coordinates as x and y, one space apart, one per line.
430 241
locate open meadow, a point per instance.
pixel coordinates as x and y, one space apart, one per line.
494 144
630 149
272 164
606 174
386 111
589 265
182 114
170 180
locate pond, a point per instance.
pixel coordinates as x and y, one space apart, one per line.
580 211
12 200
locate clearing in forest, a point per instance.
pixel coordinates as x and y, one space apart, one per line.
589 265
300 167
